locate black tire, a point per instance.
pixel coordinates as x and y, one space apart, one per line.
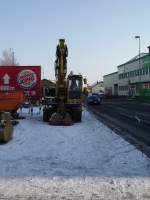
45 116
76 115
47 112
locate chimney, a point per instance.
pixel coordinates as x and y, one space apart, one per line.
148 49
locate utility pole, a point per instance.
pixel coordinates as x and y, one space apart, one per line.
12 56
138 37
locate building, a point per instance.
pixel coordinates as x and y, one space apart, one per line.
111 84
97 87
131 79
134 76
48 88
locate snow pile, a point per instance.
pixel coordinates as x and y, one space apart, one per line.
84 159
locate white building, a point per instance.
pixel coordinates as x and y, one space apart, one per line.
97 87
111 84
131 79
134 76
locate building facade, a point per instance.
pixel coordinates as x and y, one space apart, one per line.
131 79
47 88
111 84
98 87
134 77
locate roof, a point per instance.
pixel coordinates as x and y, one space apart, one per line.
47 83
110 74
142 55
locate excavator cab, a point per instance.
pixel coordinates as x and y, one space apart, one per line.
74 96
74 88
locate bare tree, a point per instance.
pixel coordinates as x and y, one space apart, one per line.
8 58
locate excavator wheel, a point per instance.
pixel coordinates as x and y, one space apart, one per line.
47 112
6 128
45 116
76 115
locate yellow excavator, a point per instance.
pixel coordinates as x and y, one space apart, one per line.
66 107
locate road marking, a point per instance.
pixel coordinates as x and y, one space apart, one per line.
137 118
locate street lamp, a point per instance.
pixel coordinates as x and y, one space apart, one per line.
12 56
138 37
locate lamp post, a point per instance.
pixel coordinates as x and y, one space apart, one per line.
138 37
13 58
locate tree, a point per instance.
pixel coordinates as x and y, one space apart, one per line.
8 58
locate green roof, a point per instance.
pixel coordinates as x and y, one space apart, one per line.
142 55
110 74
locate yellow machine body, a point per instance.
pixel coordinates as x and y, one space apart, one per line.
67 107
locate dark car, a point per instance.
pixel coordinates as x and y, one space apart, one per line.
26 104
94 99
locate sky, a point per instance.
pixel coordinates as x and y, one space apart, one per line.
100 34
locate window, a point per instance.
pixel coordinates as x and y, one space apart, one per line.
123 87
146 70
120 76
143 71
131 73
140 71
136 72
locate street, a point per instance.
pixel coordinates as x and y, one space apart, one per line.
131 119
84 161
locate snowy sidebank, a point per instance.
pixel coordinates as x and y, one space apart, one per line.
84 159
75 189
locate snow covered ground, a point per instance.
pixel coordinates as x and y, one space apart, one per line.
83 161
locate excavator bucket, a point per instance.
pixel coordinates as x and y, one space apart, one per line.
6 128
59 119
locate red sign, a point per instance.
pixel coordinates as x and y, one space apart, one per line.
26 78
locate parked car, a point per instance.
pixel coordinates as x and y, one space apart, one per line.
26 104
101 95
93 99
48 100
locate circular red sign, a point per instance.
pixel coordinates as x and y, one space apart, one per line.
27 78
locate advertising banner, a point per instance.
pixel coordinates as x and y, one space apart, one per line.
25 78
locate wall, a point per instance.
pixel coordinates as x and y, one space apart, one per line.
134 75
110 81
98 87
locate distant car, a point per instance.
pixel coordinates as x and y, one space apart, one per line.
26 104
48 100
100 94
94 99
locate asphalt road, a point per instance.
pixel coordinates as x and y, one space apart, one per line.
131 119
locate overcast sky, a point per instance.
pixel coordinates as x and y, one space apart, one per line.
99 33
